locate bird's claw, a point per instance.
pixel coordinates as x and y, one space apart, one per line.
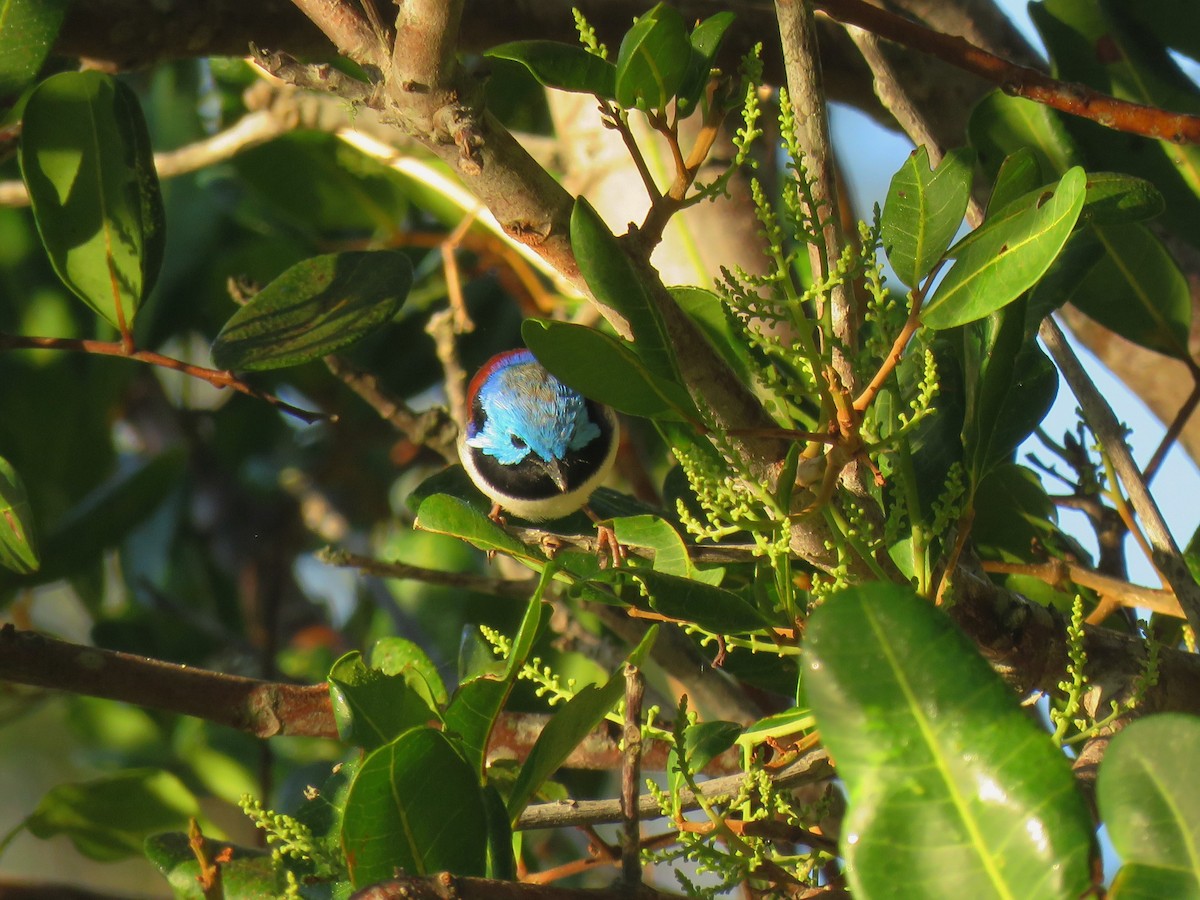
608 548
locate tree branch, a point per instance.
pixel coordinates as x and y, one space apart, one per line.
1166 556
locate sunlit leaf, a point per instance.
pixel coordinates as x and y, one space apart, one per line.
1005 258
246 872
86 158
924 209
954 790
415 805
653 59
371 707
316 307
1149 797
1001 124
565 67
706 41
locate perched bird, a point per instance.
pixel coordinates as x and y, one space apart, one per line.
534 446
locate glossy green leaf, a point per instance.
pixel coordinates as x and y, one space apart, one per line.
1005 258
316 307
702 743
1171 21
18 540
27 32
1001 124
951 784
501 860
1019 174
1123 277
248 873
1013 514
712 608
372 708
614 281
400 656
86 158
565 67
923 210
569 726
109 817
606 369
415 805
706 41
653 59
1148 791
444 514
474 707
671 556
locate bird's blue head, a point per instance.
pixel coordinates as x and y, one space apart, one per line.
526 410
534 445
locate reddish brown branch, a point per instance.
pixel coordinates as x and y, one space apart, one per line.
446 887
219 378
1020 81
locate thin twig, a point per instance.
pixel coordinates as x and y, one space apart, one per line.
1021 81
432 428
1176 428
511 588
219 378
1166 556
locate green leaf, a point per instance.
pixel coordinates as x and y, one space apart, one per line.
712 608
949 780
444 514
923 210
247 873
501 861
653 60
1001 125
415 805
27 32
714 318
400 656
613 280
605 369
18 540
1123 277
372 708
86 157
565 67
670 552
569 726
108 818
1003 259
316 307
476 704
1149 797
702 743
706 41
1013 514
1019 175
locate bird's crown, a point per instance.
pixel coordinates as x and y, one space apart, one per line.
516 408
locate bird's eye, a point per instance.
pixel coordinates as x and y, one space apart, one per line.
518 443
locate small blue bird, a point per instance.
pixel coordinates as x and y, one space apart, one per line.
534 446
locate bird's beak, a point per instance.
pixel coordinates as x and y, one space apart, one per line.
554 470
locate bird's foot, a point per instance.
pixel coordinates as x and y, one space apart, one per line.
608 548
497 516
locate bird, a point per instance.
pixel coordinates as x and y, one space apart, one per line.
534 446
